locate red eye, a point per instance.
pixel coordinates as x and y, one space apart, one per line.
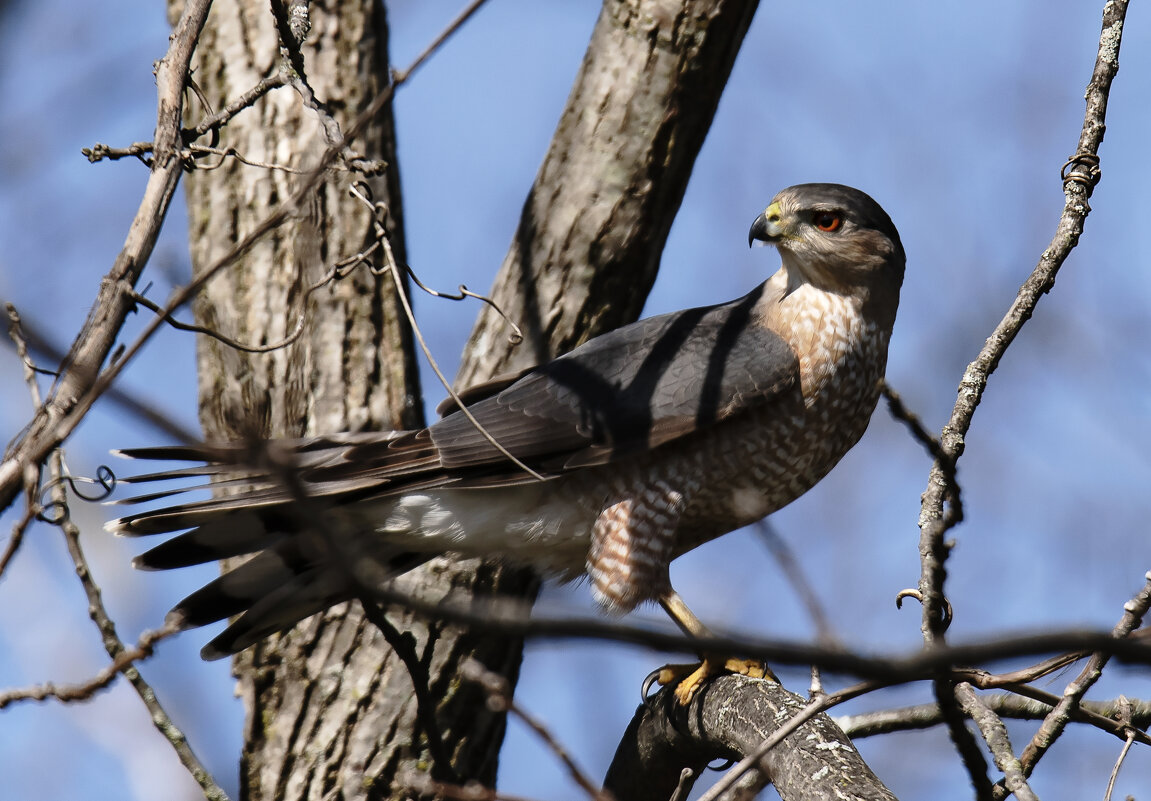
828 220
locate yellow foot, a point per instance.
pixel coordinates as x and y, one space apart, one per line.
691 677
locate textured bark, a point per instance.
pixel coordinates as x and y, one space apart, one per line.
595 222
728 720
322 699
331 710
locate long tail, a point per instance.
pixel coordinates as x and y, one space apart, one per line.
271 592
299 567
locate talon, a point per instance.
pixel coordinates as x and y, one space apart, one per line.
690 678
690 685
749 667
655 677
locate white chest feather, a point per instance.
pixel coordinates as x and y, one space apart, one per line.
836 343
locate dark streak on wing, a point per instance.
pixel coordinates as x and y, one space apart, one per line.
635 388
630 390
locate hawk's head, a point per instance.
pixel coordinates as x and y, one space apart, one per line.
835 238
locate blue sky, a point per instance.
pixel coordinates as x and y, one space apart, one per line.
955 117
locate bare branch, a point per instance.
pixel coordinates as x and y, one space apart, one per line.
1101 714
1118 764
737 717
799 582
31 471
449 30
72 395
38 342
1077 187
514 618
1057 720
947 697
81 381
404 646
500 694
82 692
995 735
390 260
213 122
123 658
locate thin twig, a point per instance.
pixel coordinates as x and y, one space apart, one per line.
403 644
995 735
508 617
213 122
947 695
1118 764
123 659
500 696
403 296
931 444
1100 714
453 26
339 270
799 583
791 568
31 472
986 681
38 342
231 152
80 379
82 692
31 509
100 151
82 382
1077 187
1057 720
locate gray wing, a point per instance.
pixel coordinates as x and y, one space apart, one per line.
635 388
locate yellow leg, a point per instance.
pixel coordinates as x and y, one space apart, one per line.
692 677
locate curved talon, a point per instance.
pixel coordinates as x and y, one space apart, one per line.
908 593
917 595
645 688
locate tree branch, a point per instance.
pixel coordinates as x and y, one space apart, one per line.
1078 184
595 222
729 719
55 419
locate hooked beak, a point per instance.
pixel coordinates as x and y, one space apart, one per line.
768 227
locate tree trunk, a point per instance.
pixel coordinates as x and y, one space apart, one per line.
594 223
331 709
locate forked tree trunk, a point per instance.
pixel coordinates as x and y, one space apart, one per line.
331 711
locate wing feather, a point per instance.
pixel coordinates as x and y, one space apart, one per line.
633 389
630 390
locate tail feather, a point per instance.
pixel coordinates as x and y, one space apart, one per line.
266 503
295 571
235 535
157 495
272 592
281 608
194 471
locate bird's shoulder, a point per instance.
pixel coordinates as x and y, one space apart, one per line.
637 387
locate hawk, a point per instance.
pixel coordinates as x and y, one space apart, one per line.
642 444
